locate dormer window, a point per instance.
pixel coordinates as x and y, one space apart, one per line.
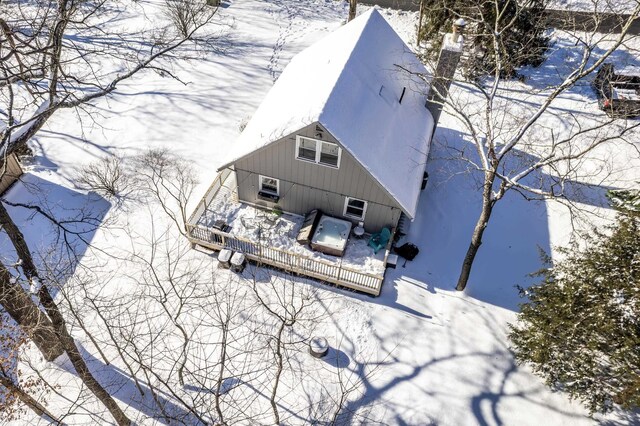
317 151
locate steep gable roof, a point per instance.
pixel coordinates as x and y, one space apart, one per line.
351 82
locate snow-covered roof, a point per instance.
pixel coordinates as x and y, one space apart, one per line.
351 83
628 70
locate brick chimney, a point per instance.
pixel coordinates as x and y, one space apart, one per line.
448 59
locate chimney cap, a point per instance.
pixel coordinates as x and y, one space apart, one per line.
460 22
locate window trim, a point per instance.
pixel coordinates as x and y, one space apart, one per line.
318 151
261 178
346 204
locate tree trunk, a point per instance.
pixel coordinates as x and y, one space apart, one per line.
276 380
478 231
28 400
29 130
31 320
421 16
57 320
352 9
19 243
76 358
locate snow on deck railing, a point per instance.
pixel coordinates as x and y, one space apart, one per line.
288 261
209 196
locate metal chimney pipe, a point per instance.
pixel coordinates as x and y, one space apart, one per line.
458 27
448 59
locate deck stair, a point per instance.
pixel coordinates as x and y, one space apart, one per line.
403 225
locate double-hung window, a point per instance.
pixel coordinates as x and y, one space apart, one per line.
317 151
307 149
354 208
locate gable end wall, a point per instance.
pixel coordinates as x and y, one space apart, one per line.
305 186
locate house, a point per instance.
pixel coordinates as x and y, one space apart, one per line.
343 136
344 129
10 172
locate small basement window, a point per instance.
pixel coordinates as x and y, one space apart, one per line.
317 151
269 186
355 208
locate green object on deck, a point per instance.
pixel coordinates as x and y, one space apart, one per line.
379 240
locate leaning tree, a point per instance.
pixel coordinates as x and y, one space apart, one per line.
66 54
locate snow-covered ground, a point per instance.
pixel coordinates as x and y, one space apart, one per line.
602 6
439 356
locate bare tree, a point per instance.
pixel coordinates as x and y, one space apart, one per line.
188 15
169 181
353 5
291 308
13 389
106 177
44 70
511 142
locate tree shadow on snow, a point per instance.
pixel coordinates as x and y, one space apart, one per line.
452 378
123 387
449 207
622 418
57 222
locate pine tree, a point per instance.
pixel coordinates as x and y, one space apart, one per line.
580 329
521 27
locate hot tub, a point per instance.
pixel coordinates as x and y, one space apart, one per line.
331 235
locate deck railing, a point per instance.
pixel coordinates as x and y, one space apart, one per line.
211 193
282 259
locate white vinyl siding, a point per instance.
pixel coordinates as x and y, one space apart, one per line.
317 151
305 185
354 208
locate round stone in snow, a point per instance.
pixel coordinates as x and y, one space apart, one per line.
318 347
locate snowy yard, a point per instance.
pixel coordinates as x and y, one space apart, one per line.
422 352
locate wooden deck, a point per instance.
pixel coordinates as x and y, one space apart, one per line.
288 261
